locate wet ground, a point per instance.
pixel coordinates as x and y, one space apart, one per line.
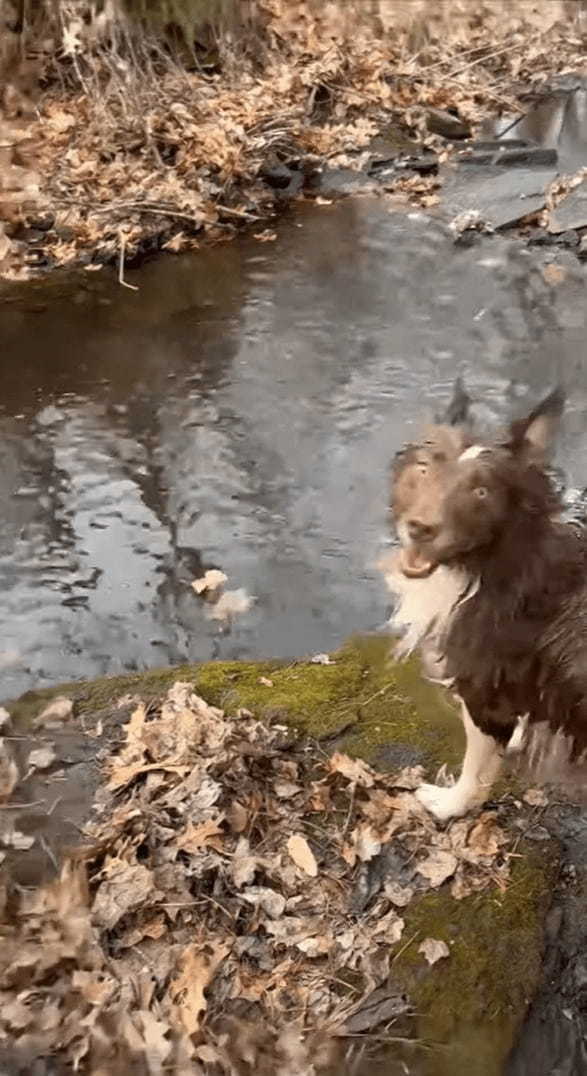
240 410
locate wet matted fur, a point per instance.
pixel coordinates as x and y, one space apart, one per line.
491 587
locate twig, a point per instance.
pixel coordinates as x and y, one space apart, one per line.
122 248
20 806
404 947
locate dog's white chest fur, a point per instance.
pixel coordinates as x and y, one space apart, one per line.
424 611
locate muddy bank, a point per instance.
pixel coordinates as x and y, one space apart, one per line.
460 1014
118 149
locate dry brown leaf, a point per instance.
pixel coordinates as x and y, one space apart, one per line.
210 582
437 867
434 950
237 817
485 838
243 865
269 900
554 274
302 855
400 895
202 835
196 969
126 888
354 769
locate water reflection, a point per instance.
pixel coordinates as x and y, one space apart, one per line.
240 411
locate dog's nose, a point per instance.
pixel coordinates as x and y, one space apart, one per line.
421 532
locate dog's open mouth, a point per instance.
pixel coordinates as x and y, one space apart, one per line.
414 564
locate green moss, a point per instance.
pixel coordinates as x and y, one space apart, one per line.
376 701
470 1005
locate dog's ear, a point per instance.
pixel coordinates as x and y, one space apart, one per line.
457 412
532 438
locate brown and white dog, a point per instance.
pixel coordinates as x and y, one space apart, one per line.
491 588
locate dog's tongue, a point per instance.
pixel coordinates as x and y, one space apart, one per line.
414 564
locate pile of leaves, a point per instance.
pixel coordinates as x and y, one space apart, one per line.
239 907
137 149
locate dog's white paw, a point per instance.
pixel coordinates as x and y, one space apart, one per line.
443 803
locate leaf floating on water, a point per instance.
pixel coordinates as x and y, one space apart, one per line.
434 950
302 854
231 604
41 758
13 838
210 582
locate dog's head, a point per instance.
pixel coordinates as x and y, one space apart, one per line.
454 495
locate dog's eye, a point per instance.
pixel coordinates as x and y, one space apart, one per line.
480 492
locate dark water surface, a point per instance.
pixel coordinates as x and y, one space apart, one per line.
240 411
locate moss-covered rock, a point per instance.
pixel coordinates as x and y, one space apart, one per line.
385 709
470 1005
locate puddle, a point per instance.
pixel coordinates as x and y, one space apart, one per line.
240 411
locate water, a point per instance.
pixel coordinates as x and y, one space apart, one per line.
240 411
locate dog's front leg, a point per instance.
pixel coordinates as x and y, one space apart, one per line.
481 766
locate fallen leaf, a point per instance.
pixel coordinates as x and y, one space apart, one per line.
41 758
231 604
322 659
437 867
61 121
196 969
243 865
269 900
58 710
237 817
210 582
433 950
485 839
8 773
264 680
391 926
266 236
365 841
196 837
535 797
13 838
554 274
302 854
354 769
126 888
400 895
286 790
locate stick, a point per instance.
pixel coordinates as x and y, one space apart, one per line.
121 280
